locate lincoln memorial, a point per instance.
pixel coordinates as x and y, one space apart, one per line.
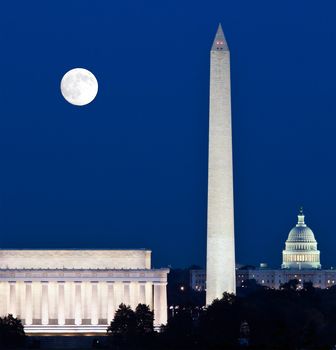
78 291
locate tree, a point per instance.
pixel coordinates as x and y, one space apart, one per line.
132 329
144 319
179 331
11 332
290 285
124 323
220 324
250 286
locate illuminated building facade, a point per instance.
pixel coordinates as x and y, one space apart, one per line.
301 261
301 248
78 291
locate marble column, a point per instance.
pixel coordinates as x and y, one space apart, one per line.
160 304
118 294
12 298
78 303
127 297
28 304
149 294
53 292
36 298
134 295
94 303
44 304
61 308
142 293
110 302
18 300
3 298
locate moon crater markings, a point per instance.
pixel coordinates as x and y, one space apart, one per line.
79 86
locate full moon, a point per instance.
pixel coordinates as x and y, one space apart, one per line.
79 86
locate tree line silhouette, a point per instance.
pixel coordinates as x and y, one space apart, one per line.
296 317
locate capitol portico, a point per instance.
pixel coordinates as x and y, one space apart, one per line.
78 291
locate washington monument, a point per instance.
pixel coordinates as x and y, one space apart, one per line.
220 269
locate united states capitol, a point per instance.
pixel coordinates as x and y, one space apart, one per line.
300 261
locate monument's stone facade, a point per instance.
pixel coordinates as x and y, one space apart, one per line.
75 259
78 291
220 231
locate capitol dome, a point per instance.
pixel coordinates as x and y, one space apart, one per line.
301 248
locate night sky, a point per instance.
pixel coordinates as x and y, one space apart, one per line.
130 169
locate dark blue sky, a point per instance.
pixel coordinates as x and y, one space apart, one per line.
130 169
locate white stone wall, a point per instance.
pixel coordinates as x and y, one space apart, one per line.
75 259
68 301
274 278
220 230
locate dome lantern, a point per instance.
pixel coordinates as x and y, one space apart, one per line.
301 217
